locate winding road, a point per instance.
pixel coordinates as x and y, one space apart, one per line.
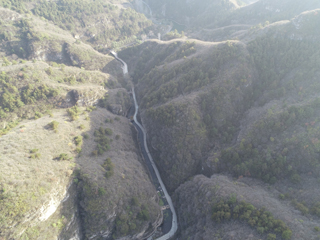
148 157
147 6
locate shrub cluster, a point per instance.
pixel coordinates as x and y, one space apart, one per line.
64 156
261 219
101 137
109 167
73 113
54 125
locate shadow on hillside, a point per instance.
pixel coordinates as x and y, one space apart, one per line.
93 196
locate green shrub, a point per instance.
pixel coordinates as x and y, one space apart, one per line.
102 191
49 71
82 127
109 167
317 229
37 115
95 153
35 155
73 113
53 125
78 140
108 131
102 140
86 136
34 150
78 150
143 214
117 137
295 178
271 236
259 218
64 156
287 234
316 209
91 108
302 208
50 113
135 201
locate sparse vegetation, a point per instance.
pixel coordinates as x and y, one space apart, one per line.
37 115
316 209
78 150
109 167
64 156
78 141
73 113
102 140
35 155
53 125
86 136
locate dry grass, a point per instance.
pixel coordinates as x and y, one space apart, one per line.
30 183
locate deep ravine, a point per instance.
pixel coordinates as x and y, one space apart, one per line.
147 156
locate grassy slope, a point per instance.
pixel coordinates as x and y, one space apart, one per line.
28 183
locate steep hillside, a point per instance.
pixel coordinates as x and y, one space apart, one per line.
68 165
247 109
101 23
225 20
221 208
233 124
193 13
239 23
192 102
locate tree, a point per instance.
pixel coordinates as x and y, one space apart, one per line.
271 236
287 234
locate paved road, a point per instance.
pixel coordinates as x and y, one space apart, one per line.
149 160
124 65
174 225
147 6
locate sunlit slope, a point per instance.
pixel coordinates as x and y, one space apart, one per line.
98 22
58 178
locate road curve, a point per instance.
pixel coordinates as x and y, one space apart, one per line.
147 6
174 225
124 65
